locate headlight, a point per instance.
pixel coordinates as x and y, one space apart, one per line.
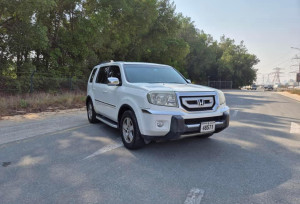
162 98
221 97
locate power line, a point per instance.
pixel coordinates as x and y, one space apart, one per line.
279 62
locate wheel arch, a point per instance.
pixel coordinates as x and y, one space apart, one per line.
88 98
123 108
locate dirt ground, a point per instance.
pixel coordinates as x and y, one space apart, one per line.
36 116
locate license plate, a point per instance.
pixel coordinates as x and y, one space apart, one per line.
207 127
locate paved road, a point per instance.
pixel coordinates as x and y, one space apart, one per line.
64 159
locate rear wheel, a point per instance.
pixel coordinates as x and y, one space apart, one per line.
130 131
91 112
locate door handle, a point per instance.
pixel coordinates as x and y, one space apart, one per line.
105 91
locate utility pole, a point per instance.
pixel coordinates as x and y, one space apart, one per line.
263 79
268 80
260 79
296 57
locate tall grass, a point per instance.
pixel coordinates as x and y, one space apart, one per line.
294 91
37 102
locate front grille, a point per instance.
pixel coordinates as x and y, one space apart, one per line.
199 120
197 103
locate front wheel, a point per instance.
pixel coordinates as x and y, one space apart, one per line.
130 132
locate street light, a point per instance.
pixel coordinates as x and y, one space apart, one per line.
295 48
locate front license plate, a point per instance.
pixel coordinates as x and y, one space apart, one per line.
207 127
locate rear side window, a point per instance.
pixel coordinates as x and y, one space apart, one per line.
93 75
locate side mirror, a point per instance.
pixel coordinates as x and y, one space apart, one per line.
189 81
113 81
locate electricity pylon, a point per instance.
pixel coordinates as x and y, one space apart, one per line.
276 73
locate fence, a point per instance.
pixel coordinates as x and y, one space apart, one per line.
220 84
38 82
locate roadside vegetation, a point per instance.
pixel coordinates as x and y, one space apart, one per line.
37 102
294 91
47 47
47 44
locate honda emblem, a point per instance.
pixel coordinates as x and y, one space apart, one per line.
201 102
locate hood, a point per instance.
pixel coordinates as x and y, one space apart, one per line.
174 87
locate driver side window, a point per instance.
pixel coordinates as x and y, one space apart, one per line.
114 71
105 72
102 75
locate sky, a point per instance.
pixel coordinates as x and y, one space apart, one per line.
269 28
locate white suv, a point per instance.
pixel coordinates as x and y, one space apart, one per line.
153 102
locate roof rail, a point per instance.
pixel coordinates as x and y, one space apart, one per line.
106 62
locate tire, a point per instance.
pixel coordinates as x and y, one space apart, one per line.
91 114
205 136
130 132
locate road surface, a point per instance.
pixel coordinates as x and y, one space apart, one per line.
64 159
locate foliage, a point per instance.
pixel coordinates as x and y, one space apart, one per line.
68 37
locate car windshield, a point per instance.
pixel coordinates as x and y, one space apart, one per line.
144 73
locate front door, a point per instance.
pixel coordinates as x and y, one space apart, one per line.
106 96
111 95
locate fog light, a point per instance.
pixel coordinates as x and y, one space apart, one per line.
159 123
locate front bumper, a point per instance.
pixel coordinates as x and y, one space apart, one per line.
182 127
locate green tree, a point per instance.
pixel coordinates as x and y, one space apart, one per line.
66 38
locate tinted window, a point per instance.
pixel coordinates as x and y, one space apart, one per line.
93 75
102 75
105 72
114 71
140 73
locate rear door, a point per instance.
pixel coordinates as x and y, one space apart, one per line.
91 80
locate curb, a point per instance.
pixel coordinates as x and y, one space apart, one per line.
289 95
